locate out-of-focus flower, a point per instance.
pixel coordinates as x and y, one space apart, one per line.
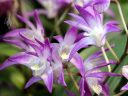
91 23
10 8
39 63
98 5
125 74
5 6
52 7
93 77
30 34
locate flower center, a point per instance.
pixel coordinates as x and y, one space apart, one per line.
64 52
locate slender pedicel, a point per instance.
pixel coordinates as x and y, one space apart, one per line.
106 58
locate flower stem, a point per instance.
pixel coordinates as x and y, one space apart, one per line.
59 21
121 15
106 58
112 51
72 78
120 93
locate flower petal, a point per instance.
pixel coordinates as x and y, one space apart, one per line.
112 26
125 87
78 18
58 68
84 89
78 62
48 79
70 36
105 89
77 24
125 71
83 43
101 5
32 81
20 58
102 74
89 18
38 22
26 21
59 38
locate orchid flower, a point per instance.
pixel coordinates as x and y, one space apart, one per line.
125 74
93 77
98 5
65 46
39 63
67 43
30 34
91 23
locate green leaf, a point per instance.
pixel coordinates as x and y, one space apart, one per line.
14 76
7 49
115 81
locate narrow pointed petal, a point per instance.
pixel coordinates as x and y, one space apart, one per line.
77 24
48 79
125 87
112 27
78 62
83 43
98 67
26 21
102 74
14 33
32 81
21 58
125 71
105 89
89 18
38 22
61 79
101 5
59 38
70 36
58 68
84 89
78 18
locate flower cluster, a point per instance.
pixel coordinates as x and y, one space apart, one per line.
48 60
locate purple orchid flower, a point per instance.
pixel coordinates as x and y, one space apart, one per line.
30 34
93 77
98 5
39 63
65 46
91 23
125 74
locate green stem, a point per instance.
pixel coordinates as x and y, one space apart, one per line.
120 93
121 15
106 58
59 21
112 51
72 78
